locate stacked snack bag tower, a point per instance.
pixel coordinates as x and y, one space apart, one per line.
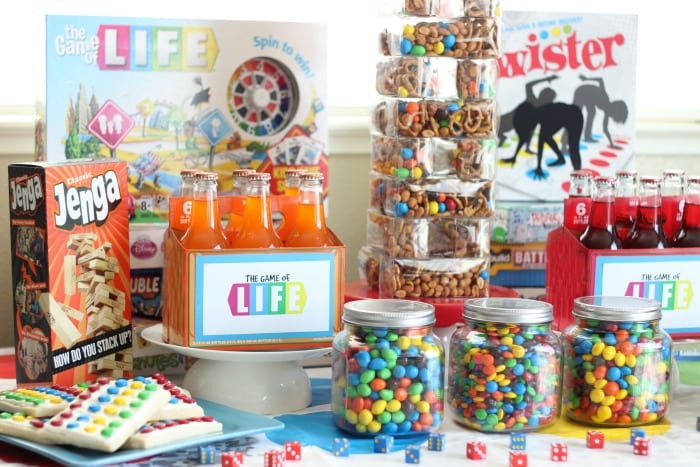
433 150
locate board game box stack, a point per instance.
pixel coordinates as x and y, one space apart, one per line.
164 95
433 150
69 235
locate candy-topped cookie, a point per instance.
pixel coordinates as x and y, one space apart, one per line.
38 402
107 413
24 426
167 431
181 404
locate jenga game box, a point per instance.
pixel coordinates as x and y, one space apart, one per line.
69 230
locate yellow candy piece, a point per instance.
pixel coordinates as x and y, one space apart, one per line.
603 413
609 352
379 406
597 348
364 417
597 395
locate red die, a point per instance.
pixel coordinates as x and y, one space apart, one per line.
595 440
292 450
559 452
476 450
231 459
517 459
641 446
273 458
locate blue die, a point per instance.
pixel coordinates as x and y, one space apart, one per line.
383 443
436 441
517 441
207 455
636 433
412 454
341 447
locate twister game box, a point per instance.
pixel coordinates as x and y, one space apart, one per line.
69 235
163 95
566 93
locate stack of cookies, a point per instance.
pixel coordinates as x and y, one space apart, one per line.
433 150
106 415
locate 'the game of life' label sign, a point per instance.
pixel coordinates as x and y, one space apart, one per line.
241 297
671 280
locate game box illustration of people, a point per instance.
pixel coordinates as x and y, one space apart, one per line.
566 92
168 94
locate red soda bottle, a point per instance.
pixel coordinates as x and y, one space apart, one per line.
600 234
577 207
626 201
647 231
672 199
688 235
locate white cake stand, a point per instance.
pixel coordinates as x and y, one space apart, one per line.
263 382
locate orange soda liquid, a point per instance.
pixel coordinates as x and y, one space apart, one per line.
256 234
310 227
205 230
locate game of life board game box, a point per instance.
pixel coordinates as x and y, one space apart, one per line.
168 94
566 93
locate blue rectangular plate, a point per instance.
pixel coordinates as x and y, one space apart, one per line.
236 423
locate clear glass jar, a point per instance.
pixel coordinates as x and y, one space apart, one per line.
388 369
617 362
504 371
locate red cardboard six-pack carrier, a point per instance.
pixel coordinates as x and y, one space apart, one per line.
250 299
669 276
69 234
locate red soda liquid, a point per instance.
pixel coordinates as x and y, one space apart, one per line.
671 213
688 236
576 213
648 232
600 233
625 214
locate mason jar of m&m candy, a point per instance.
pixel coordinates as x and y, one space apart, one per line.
504 372
617 366
388 369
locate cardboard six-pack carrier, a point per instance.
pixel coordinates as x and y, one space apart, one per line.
250 299
69 234
668 276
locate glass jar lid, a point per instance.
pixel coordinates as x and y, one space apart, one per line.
389 312
617 308
508 310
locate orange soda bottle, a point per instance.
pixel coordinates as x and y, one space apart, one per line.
205 230
235 220
257 230
310 228
292 180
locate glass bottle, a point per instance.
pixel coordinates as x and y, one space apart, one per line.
647 231
388 369
310 227
577 206
617 362
187 178
257 230
601 234
688 235
235 219
672 200
205 230
504 366
626 200
292 182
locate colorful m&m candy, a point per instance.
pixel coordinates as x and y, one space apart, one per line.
617 362
504 371
388 369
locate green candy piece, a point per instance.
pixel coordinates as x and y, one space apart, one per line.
352 392
391 336
143 395
389 354
364 390
415 389
398 417
384 373
125 414
135 404
492 419
401 172
480 414
418 50
386 394
367 376
107 432
510 362
384 418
